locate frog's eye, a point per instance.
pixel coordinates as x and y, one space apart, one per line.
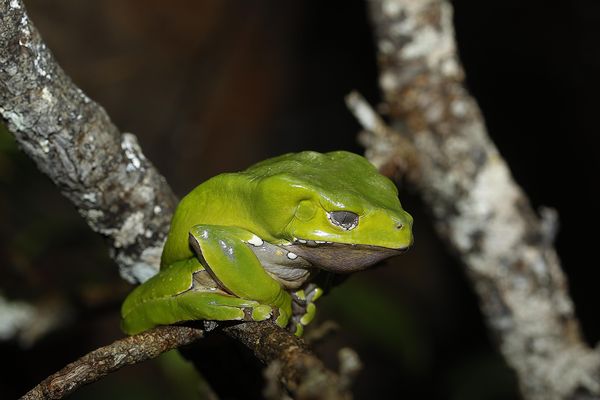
344 219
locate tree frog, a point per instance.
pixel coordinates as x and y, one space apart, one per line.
246 245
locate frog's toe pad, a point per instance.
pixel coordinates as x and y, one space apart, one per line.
283 317
299 329
314 294
299 321
257 313
311 310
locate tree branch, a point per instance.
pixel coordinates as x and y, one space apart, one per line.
478 208
120 195
104 360
72 140
303 374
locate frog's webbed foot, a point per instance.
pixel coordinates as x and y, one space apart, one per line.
303 307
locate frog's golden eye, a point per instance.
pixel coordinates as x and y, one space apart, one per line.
344 219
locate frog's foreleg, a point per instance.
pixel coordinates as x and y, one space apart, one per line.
226 255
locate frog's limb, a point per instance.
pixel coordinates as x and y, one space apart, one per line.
225 252
303 307
180 293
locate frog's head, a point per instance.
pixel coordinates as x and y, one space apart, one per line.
335 209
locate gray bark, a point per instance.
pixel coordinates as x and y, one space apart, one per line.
72 140
478 208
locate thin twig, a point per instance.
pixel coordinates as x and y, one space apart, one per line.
302 374
104 360
387 148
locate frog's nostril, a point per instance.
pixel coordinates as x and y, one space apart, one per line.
399 226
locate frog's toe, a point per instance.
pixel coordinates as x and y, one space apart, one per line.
299 321
299 330
260 313
314 294
283 317
307 318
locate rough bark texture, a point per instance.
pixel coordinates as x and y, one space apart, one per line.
72 140
478 208
107 359
121 196
304 375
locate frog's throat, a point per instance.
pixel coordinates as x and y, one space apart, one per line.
339 257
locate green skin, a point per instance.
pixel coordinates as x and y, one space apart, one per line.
245 246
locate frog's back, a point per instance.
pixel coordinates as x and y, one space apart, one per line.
234 199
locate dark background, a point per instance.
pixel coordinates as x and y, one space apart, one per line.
213 86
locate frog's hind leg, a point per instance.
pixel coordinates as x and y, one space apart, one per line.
184 291
221 307
193 305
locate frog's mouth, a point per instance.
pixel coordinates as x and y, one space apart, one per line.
340 257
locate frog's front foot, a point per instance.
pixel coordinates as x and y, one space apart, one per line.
303 307
226 254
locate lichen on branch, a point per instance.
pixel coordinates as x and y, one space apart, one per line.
72 140
477 206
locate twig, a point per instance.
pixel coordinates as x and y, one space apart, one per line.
350 365
389 150
478 208
104 360
303 374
